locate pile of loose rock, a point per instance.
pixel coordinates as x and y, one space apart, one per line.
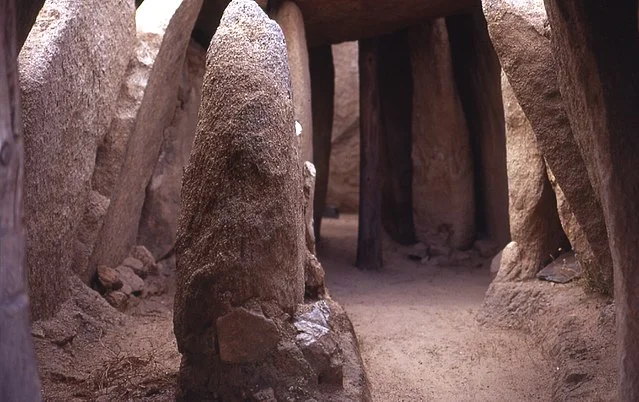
135 278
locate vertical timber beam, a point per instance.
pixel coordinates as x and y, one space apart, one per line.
369 241
18 371
396 100
322 93
597 48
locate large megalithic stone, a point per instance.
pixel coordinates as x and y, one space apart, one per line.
241 242
243 325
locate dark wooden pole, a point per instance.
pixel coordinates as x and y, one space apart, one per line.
596 47
369 241
322 93
396 100
18 370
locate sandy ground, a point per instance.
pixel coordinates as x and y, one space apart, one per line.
418 331
416 325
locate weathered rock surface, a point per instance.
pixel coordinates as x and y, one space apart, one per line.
521 36
245 337
69 78
130 151
291 20
396 93
322 93
343 182
535 228
313 272
478 78
595 46
443 189
245 243
576 235
241 243
234 246
161 211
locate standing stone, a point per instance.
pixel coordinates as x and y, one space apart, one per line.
290 19
521 36
314 287
240 240
322 88
576 235
478 76
443 192
18 366
343 182
534 224
128 155
595 45
69 78
161 211
396 96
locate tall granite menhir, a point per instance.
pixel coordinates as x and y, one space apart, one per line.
240 320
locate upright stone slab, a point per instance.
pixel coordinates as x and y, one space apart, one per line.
240 319
127 157
535 228
343 181
322 89
443 192
70 78
161 212
290 19
241 237
595 45
521 35
478 76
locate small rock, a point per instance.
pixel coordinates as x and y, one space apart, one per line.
435 250
137 266
486 248
461 257
314 277
131 283
117 299
420 247
154 286
108 277
265 395
495 263
144 255
245 336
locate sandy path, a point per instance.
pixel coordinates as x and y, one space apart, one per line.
416 325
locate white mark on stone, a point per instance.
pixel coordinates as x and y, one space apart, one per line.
298 128
311 168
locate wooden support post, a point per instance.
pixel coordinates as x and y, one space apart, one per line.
369 241
18 371
396 100
322 93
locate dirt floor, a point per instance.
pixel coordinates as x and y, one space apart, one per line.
418 331
417 325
